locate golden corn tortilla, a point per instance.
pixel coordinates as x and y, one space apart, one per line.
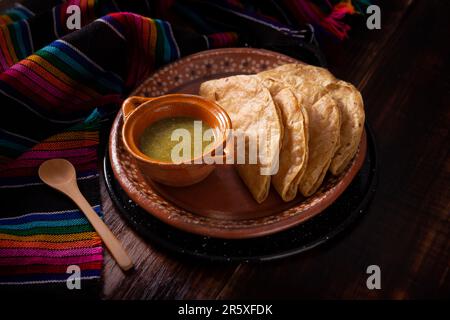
319 76
309 80
325 123
323 126
322 119
312 83
294 146
351 105
252 111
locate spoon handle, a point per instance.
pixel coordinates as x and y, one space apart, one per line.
111 242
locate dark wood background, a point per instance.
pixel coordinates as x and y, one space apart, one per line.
403 72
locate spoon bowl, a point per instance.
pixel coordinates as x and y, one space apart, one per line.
57 172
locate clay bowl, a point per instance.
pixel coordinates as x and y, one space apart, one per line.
140 113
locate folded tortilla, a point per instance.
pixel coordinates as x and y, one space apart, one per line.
323 124
253 112
294 146
313 120
312 83
351 106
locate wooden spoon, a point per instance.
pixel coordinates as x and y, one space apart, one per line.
60 174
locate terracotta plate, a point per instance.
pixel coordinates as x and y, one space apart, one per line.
220 206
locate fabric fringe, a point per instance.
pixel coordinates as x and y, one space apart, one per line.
330 20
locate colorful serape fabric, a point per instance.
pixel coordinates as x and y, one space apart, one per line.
41 233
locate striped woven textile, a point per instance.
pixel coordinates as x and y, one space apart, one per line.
41 233
59 87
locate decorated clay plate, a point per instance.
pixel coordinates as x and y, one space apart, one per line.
220 206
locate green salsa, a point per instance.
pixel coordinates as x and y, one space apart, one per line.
162 141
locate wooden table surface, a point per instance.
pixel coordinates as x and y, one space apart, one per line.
403 71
